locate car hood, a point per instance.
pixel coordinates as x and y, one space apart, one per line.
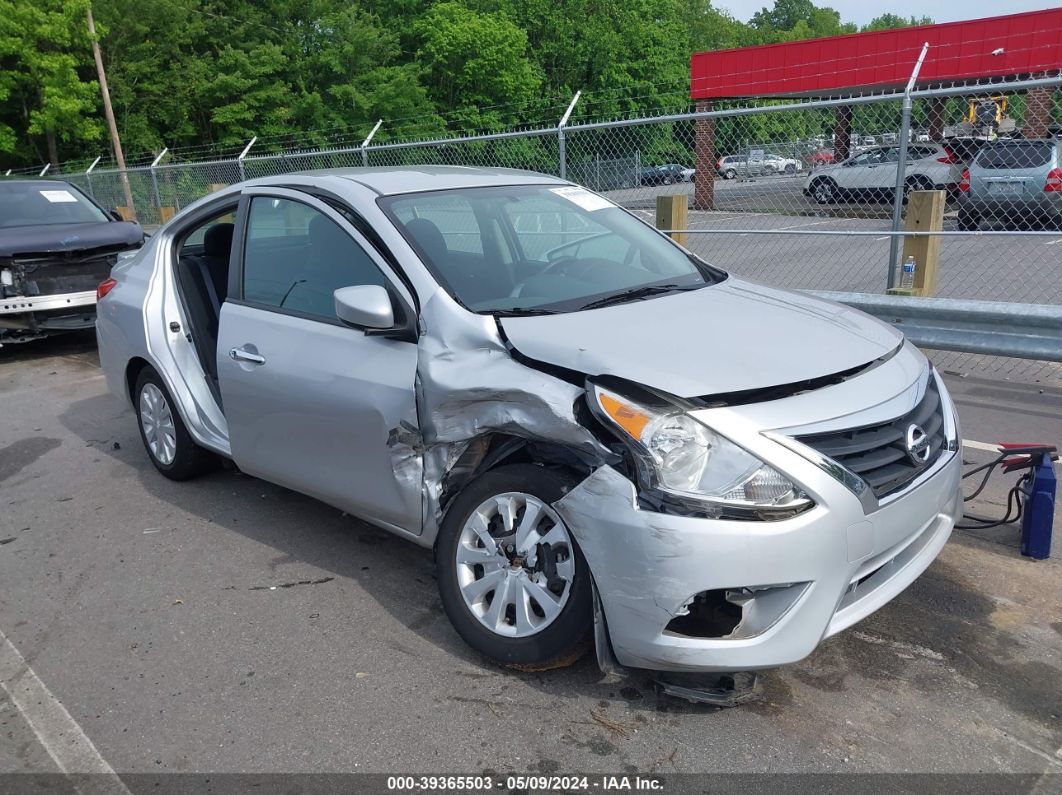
729 337
23 241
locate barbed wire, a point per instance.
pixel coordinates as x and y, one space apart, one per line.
594 108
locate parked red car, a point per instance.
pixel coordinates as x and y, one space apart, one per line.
822 158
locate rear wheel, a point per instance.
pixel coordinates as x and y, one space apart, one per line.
790 168
729 174
166 439
512 580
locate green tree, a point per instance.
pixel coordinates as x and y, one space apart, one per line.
348 71
45 82
476 65
791 20
892 21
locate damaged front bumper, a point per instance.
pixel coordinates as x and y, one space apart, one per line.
681 593
45 295
41 313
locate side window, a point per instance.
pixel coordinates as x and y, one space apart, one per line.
890 155
295 258
199 234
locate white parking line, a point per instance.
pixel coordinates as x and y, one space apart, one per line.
1030 748
801 226
992 448
59 734
1052 242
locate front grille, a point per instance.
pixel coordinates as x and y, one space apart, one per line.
878 453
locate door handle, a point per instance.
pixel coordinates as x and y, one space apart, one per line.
241 355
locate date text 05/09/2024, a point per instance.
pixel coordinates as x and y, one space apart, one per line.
524 783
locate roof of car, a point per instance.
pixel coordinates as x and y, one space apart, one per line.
33 181
411 179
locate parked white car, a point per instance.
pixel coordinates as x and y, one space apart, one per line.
872 173
767 164
782 165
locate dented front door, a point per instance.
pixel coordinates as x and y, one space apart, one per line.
310 402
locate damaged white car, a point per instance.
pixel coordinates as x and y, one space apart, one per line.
603 438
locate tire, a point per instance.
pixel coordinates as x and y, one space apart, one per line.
166 439
968 221
824 190
729 174
667 180
790 168
915 183
540 638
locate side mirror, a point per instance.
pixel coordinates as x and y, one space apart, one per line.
364 306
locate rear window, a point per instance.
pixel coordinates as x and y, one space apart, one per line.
1015 154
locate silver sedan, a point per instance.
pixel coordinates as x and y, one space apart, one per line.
604 439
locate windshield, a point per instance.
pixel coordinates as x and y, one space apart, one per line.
45 204
539 248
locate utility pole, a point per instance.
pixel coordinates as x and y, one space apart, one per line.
108 111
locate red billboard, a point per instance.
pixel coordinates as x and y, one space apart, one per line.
1006 46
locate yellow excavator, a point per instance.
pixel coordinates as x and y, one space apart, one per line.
987 114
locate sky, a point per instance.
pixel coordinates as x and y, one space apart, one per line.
862 11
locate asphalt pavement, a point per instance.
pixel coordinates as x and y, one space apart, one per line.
227 625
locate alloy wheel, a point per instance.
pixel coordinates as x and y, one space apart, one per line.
515 564
156 418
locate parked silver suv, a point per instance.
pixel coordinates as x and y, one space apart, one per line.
601 436
1011 182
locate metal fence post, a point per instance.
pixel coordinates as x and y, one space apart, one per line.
365 143
562 156
155 182
88 176
901 167
243 154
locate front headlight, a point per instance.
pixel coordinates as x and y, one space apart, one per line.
686 458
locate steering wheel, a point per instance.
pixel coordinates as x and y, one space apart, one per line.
560 266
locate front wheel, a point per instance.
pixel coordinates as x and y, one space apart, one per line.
790 168
512 579
824 190
729 174
166 439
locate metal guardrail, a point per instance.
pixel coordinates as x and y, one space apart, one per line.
997 328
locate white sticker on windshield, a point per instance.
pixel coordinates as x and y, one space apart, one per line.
583 198
56 196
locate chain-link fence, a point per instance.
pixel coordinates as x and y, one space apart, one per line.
800 194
